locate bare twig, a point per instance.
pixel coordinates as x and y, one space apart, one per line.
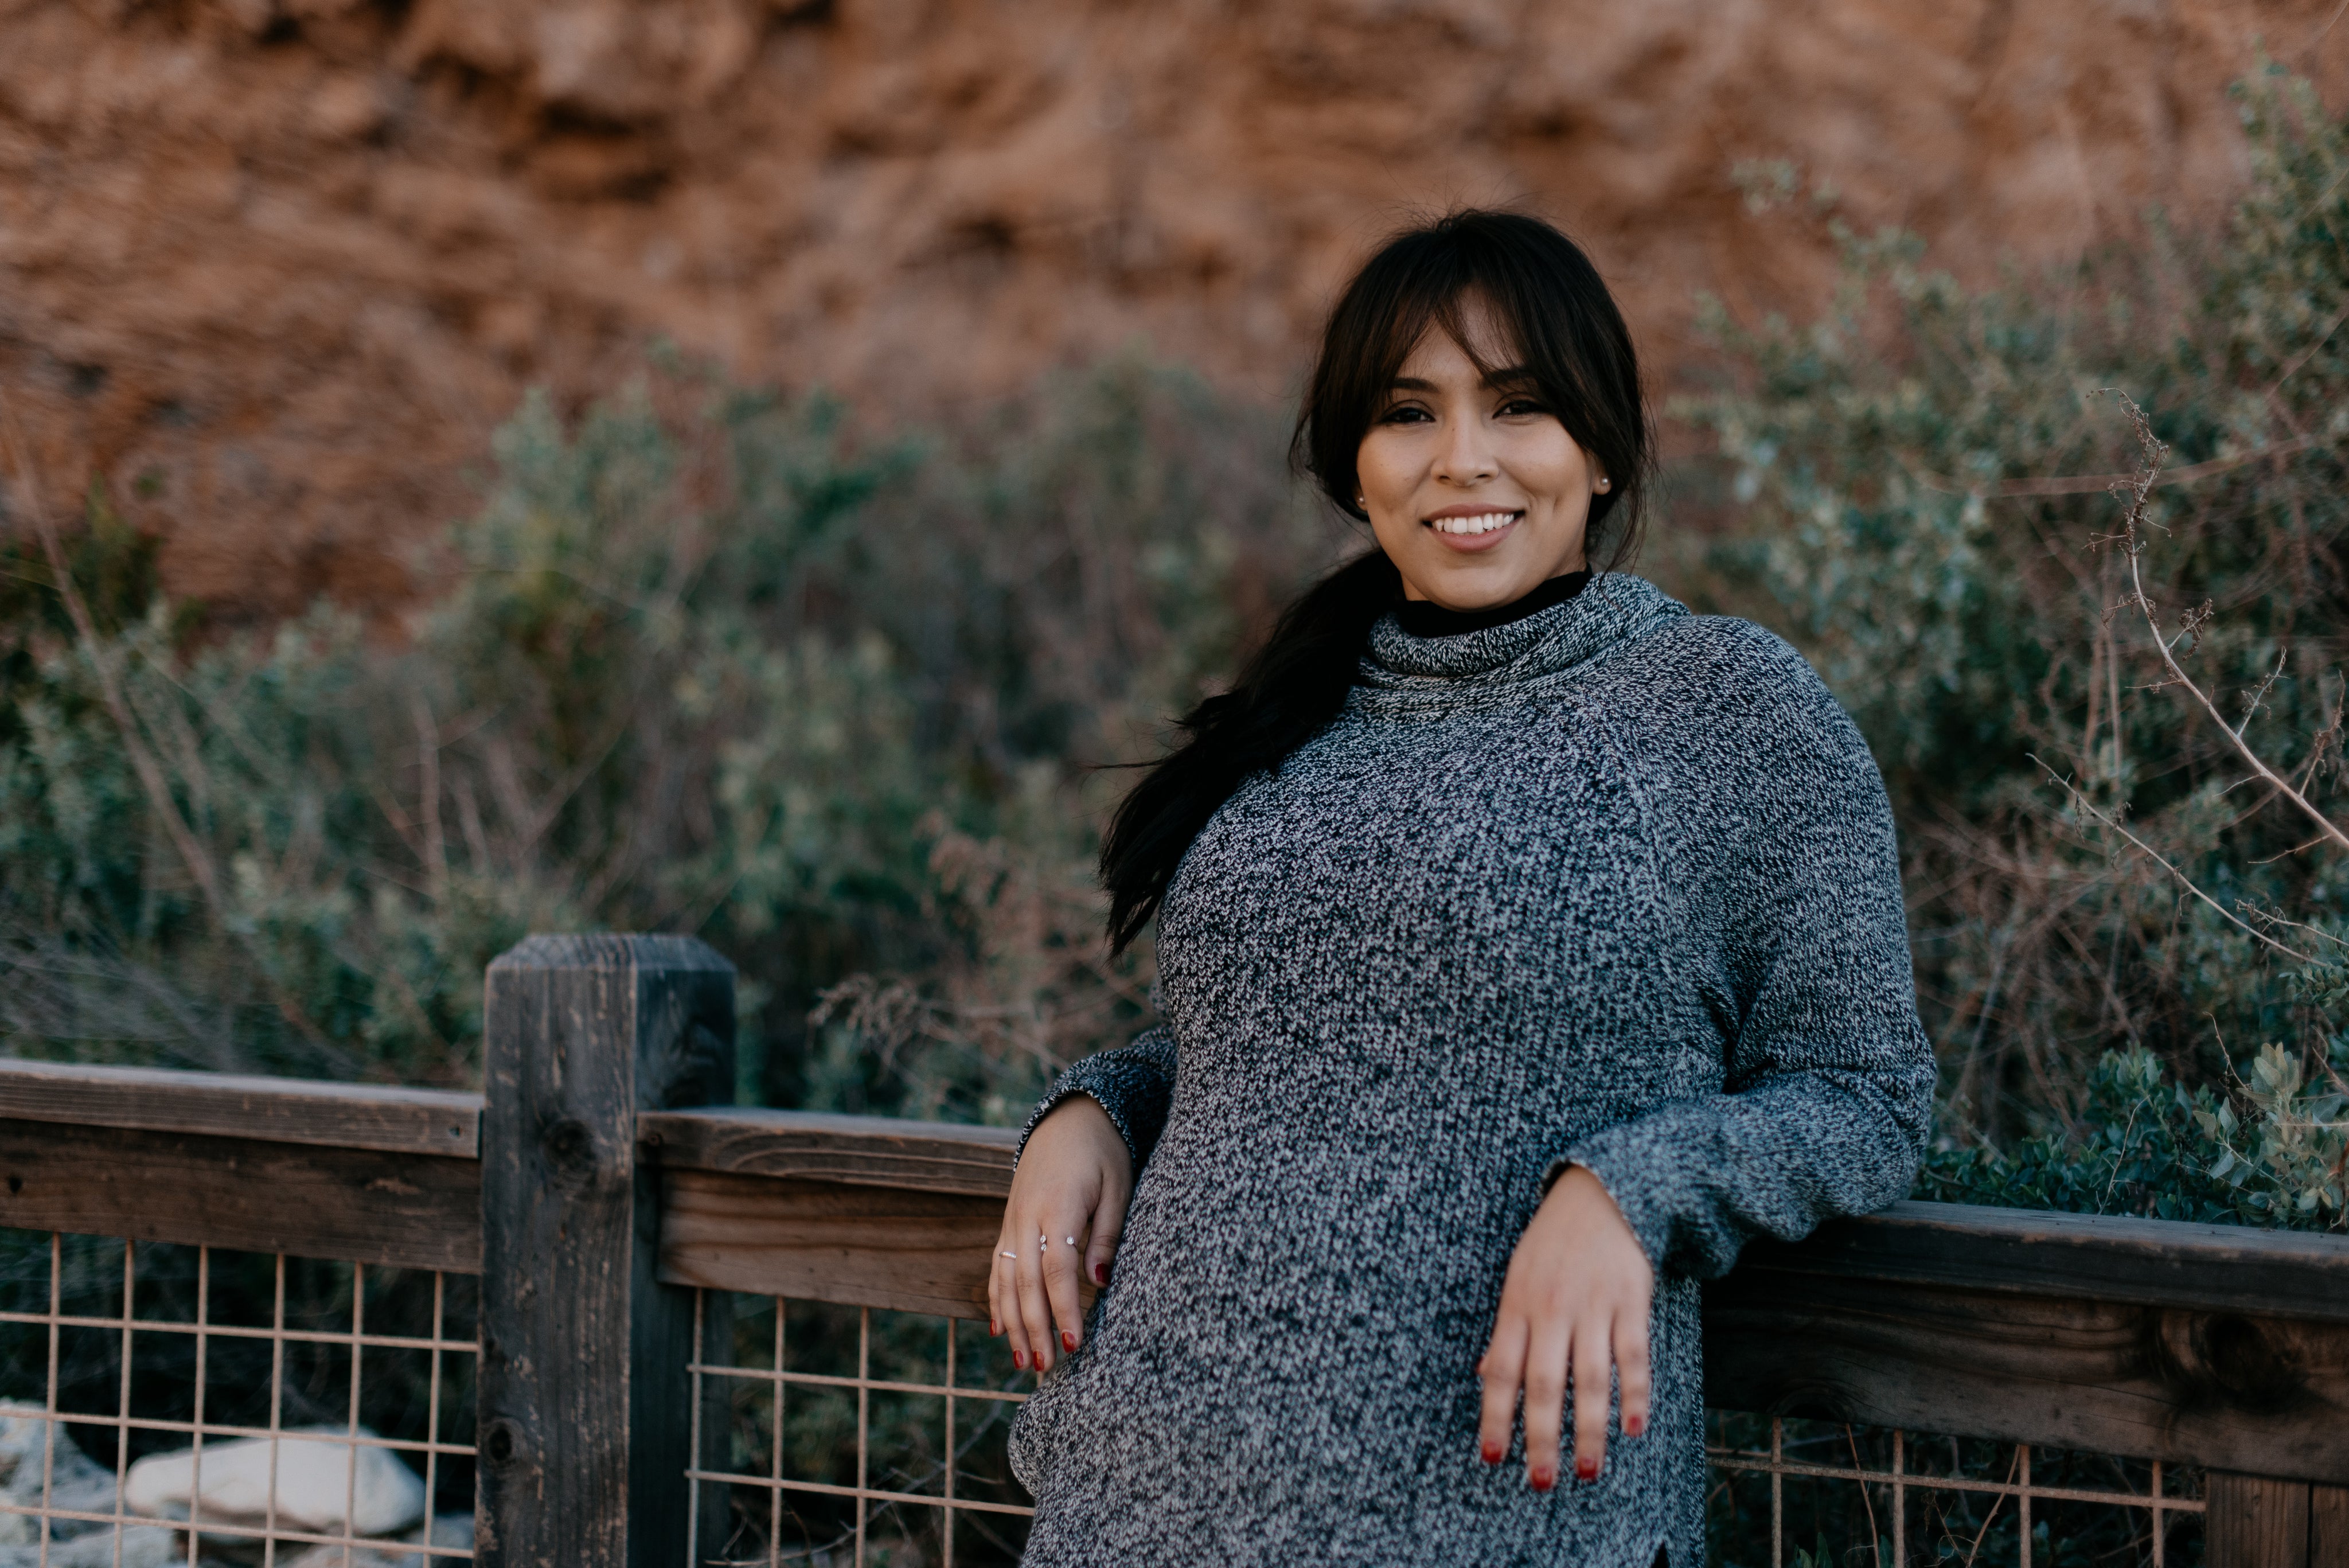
2254 700
2135 492
2098 483
157 788
143 762
2156 855
2295 849
427 758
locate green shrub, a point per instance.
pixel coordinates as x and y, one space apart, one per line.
1912 519
700 662
709 661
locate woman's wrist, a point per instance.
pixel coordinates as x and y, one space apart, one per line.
1080 1118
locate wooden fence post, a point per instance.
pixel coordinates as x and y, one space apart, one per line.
584 1396
2255 1521
2328 1526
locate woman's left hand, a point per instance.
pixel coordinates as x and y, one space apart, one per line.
1576 1299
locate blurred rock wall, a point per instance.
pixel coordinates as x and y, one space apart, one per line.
275 269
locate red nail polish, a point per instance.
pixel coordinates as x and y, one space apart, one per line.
1634 1425
995 1328
1543 1478
1019 1359
1493 1453
1586 1469
1068 1340
1101 1273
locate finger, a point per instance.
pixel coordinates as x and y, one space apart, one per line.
1631 1372
1593 1345
995 1290
1109 1228
1060 1286
1502 1368
1545 1352
1015 1321
1034 1311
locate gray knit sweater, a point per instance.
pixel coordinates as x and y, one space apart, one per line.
1612 885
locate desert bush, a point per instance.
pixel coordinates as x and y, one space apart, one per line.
700 662
1925 475
711 661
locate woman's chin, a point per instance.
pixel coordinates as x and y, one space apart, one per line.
1486 583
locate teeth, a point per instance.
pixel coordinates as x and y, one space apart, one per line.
1483 523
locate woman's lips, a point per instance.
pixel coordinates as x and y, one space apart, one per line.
1472 531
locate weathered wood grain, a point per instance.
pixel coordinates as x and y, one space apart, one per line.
2251 1394
830 1242
2328 1526
2153 1262
2150 1262
585 1422
921 1156
280 1110
2254 1521
367 1206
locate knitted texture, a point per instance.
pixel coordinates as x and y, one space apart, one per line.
1613 885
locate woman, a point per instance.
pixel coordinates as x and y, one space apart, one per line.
1525 944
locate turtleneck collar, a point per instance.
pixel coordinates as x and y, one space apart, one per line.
1612 608
1426 618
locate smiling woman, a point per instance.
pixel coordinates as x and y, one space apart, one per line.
1525 945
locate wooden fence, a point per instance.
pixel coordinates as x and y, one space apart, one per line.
606 1194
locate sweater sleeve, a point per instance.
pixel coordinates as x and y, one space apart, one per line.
1828 1089
1134 1085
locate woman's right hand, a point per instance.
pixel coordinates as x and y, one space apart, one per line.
1069 1195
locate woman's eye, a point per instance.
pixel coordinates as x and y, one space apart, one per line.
1522 406
1409 413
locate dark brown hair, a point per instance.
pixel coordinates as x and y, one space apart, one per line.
1549 303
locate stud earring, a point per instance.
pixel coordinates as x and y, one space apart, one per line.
1360 504
1604 483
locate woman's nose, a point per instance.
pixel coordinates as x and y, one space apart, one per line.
1466 455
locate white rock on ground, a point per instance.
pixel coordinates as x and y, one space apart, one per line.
447 1529
315 1482
75 1483
143 1546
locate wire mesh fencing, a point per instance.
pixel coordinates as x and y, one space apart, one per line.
164 1404
1805 1495
854 1436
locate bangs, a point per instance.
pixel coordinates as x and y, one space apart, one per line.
1449 305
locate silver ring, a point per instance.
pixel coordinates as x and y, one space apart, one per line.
1072 1241
1013 1256
1040 1243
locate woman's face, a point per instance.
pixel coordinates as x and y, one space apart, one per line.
1474 488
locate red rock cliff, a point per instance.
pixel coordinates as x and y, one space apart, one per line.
275 268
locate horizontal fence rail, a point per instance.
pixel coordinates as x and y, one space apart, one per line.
2203 1345
221 1273
642 1247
